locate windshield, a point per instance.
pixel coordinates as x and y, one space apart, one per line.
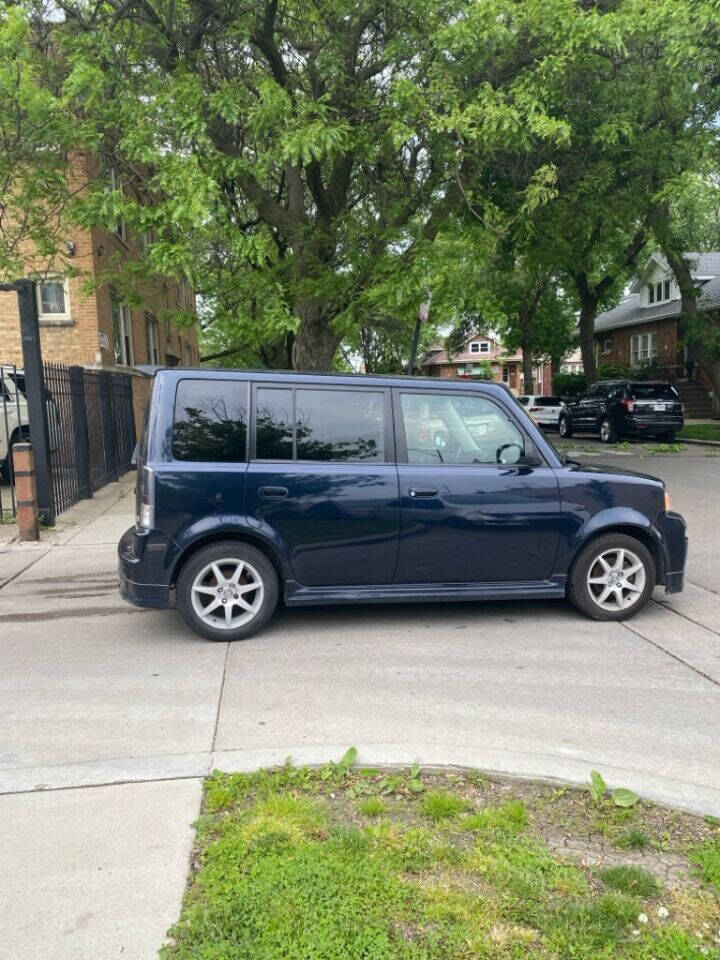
653 391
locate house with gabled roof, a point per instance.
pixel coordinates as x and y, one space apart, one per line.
471 363
643 329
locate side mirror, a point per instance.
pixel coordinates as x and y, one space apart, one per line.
509 453
135 456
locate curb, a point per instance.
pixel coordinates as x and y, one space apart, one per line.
699 443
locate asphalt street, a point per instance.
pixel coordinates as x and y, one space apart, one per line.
110 716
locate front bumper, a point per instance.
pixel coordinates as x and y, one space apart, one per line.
138 567
671 531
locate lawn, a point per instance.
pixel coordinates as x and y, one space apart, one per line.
346 864
701 431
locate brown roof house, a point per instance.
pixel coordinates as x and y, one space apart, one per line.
100 330
479 350
643 329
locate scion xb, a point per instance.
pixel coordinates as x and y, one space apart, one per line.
326 489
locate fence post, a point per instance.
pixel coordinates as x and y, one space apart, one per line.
109 427
27 508
82 443
35 396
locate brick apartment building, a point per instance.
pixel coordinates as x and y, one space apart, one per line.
99 330
468 364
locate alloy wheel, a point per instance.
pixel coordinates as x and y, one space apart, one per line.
616 579
227 593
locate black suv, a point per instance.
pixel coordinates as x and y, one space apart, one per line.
625 408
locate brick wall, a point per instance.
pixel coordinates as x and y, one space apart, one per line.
670 350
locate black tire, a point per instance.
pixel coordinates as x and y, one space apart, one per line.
565 427
232 550
579 590
607 431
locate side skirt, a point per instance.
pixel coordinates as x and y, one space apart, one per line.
296 595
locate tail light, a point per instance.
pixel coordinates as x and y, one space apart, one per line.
146 499
628 404
535 409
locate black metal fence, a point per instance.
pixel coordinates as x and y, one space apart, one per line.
13 427
91 430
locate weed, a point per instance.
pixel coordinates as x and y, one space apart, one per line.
439 805
706 856
478 779
372 807
664 449
634 839
597 787
631 880
511 817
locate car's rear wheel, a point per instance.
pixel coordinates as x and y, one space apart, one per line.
227 591
607 431
669 437
612 577
564 427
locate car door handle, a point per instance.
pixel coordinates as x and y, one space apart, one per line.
273 493
423 492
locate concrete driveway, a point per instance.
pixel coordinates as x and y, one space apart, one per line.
110 716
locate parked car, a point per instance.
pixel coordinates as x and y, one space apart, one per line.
13 416
625 408
329 489
544 410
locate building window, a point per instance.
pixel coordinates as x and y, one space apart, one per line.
184 294
480 346
643 348
659 292
122 332
53 299
607 345
151 333
506 374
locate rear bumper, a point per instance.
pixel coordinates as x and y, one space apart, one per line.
651 426
134 565
671 532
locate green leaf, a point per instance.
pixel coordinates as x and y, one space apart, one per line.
598 787
623 797
348 759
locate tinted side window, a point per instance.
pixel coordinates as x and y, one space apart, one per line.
653 391
339 425
210 421
440 428
273 424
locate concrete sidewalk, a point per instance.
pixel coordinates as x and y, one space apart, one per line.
110 716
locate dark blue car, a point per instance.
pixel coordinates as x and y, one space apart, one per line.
341 489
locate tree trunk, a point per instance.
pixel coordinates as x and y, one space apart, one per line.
588 312
688 320
525 320
315 342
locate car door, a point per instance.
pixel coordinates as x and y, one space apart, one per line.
477 505
584 410
323 482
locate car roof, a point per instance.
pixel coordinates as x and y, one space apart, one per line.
334 379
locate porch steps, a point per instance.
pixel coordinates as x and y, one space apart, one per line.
696 399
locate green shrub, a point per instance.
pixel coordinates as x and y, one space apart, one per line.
569 384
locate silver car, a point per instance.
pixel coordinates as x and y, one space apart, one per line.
545 411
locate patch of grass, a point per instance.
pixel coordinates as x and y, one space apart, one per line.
706 856
372 807
631 880
634 839
700 431
511 817
283 869
440 805
664 449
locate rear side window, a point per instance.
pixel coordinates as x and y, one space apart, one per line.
331 426
548 401
273 425
210 421
524 401
653 391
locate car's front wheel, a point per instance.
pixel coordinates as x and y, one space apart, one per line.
612 577
564 427
227 591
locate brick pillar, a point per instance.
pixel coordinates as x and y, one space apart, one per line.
26 491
